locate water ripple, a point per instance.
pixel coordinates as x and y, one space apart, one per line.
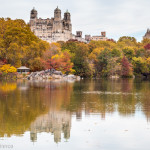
110 93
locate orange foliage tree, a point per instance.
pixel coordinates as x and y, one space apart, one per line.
57 59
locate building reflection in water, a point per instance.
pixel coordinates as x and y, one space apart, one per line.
49 106
56 122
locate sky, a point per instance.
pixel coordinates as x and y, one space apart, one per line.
116 17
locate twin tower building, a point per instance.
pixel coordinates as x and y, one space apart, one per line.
54 29
58 29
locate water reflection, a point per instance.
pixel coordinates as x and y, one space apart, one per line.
54 122
49 106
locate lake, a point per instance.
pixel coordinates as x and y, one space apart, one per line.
83 115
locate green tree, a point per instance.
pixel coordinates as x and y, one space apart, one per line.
129 52
103 61
140 65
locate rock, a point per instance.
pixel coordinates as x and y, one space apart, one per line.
114 77
71 76
51 74
56 76
57 73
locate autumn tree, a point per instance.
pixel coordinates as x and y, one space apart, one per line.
80 53
7 68
103 61
58 59
18 44
140 65
129 41
126 68
129 52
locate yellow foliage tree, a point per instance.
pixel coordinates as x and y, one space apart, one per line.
7 68
93 55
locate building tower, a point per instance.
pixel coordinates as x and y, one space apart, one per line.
33 19
147 34
67 21
67 17
79 34
33 14
57 14
51 29
57 24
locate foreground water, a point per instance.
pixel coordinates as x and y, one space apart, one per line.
90 114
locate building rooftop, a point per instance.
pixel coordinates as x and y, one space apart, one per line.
57 9
23 67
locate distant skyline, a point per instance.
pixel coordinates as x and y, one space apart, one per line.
117 18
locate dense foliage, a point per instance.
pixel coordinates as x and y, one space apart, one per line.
7 68
126 57
18 45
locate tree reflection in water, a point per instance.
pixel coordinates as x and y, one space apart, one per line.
48 106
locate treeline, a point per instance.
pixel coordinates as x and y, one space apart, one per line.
125 58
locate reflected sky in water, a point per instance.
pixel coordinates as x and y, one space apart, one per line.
90 114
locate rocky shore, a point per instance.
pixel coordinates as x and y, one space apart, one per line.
51 74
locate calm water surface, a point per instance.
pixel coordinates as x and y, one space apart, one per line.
85 115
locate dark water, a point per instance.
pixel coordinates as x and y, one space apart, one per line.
90 115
